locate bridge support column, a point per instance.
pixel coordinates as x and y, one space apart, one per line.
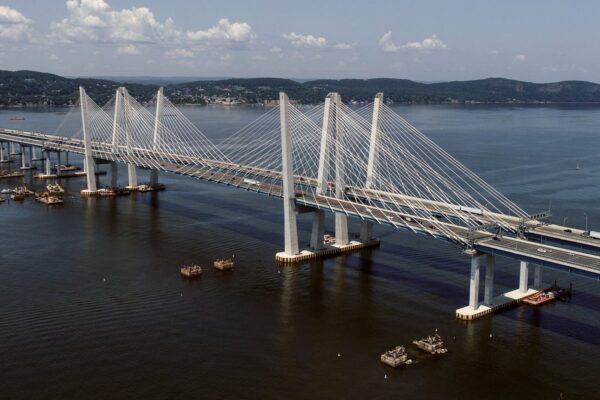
24 164
48 163
537 277
524 277
13 149
476 261
2 159
366 231
58 164
153 177
87 141
132 174
488 293
289 196
114 173
341 219
318 230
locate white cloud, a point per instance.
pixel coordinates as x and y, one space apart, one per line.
426 45
225 33
493 52
53 57
550 68
275 50
14 26
95 21
345 46
225 57
305 40
179 53
259 58
387 44
520 57
128 50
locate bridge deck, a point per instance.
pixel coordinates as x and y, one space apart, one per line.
222 172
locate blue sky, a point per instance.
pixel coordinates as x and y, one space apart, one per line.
539 41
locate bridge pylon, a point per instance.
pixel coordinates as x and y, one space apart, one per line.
290 228
88 153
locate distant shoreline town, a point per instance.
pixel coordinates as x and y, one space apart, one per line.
36 89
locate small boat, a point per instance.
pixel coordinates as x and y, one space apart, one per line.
224 264
396 357
191 271
17 119
431 344
6 191
55 188
67 168
2 199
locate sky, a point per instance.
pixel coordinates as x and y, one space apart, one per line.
425 40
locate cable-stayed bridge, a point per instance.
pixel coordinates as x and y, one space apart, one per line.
367 163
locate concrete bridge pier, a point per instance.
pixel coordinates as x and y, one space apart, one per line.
132 175
114 173
2 158
153 177
58 164
490 303
318 230
366 231
13 149
25 165
34 155
524 277
48 164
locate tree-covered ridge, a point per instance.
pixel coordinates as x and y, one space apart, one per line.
20 88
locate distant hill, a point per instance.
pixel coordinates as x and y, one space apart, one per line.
36 88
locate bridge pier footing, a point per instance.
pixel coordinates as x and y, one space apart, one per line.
491 304
132 175
24 164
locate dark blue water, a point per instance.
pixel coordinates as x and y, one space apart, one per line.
92 305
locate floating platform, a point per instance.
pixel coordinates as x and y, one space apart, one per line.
12 175
328 251
28 167
66 176
147 188
508 299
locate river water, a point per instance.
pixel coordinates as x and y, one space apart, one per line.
92 305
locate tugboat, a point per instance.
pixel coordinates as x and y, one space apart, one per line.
431 344
224 264
396 357
191 271
55 189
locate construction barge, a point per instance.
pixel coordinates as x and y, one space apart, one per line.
431 344
224 264
49 199
191 271
396 357
549 295
11 175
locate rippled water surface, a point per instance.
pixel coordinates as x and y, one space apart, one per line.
92 305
